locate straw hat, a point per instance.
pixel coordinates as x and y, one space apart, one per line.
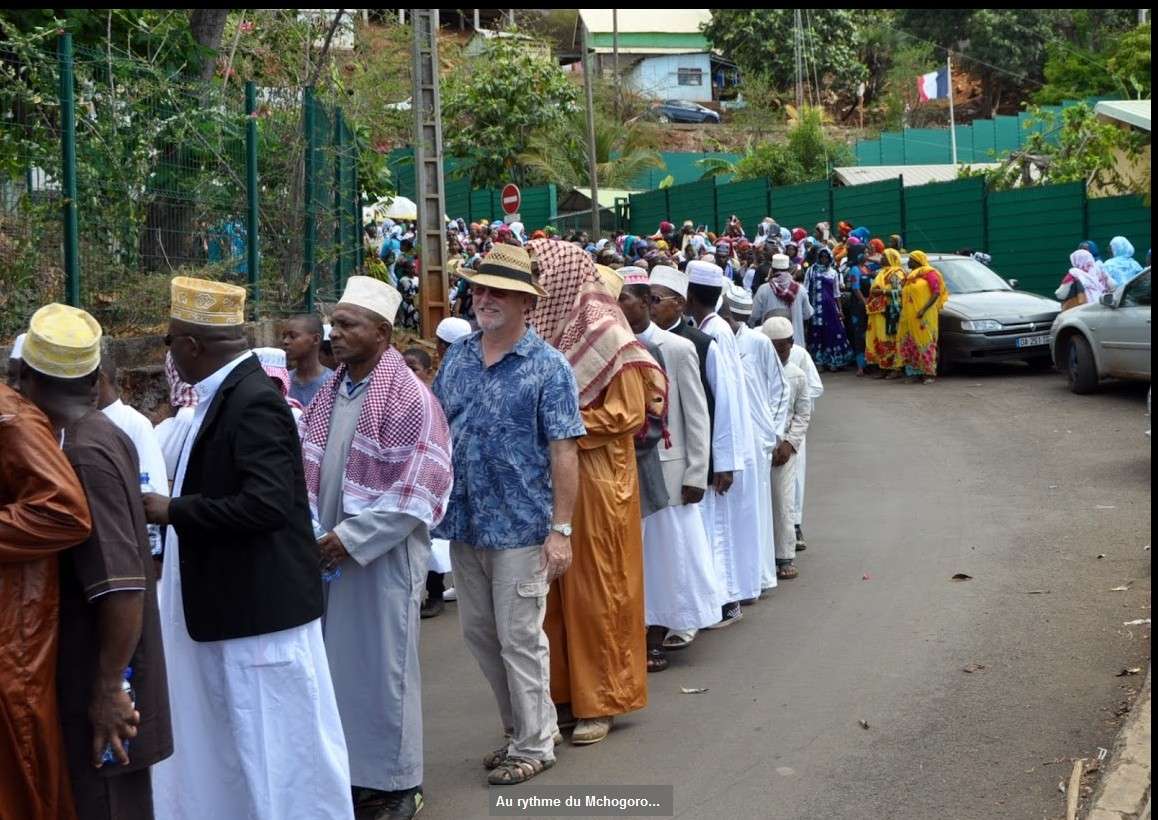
506 267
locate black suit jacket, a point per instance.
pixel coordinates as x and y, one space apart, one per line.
249 561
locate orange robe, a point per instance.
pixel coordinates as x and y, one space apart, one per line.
42 511
595 611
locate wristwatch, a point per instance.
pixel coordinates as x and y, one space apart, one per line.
563 529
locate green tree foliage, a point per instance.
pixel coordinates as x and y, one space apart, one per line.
623 152
760 41
807 154
491 109
1087 150
1121 69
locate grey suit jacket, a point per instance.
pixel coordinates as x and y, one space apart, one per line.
685 462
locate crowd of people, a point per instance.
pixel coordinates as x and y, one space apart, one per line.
851 299
219 615
226 605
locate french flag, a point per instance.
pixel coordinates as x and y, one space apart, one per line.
933 86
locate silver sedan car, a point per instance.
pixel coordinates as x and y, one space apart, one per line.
987 319
1107 339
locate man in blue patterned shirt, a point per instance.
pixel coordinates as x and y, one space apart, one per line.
513 407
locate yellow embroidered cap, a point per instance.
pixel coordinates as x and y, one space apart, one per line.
202 302
62 341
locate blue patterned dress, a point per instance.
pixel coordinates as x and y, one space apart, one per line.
827 342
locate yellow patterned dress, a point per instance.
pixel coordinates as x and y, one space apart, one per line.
884 314
917 336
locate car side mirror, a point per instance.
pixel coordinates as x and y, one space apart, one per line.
1013 283
1107 300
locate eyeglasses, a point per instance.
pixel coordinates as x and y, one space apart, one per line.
656 300
493 293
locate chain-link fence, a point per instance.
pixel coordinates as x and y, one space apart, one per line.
228 181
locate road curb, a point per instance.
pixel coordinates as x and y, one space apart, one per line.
1124 790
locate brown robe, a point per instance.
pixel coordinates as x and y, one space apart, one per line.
42 511
595 612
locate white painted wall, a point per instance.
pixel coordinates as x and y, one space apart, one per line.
658 77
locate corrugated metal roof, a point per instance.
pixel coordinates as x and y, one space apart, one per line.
913 174
1132 112
667 21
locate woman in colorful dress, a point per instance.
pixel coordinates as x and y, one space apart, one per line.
827 341
884 315
923 295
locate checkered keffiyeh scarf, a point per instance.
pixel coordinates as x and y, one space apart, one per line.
400 458
181 394
583 321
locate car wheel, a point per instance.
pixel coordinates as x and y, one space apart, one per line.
1080 369
664 119
1041 364
944 365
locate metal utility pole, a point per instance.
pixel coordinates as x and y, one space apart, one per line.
430 194
952 118
798 48
592 167
615 52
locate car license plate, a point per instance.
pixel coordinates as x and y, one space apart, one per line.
1033 341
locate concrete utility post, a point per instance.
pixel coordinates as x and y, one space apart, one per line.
592 167
429 190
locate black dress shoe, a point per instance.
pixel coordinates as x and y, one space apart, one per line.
432 608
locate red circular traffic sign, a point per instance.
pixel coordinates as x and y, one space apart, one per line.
511 198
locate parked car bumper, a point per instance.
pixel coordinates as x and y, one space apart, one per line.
961 346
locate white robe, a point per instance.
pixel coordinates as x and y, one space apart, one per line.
255 723
150 459
681 588
732 520
767 403
171 434
801 358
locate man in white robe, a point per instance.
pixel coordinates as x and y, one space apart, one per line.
786 458
681 589
377 457
802 359
260 735
768 405
150 460
732 512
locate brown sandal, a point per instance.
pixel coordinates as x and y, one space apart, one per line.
656 660
492 760
786 572
515 770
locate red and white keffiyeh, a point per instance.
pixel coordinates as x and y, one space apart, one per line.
400 459
181 394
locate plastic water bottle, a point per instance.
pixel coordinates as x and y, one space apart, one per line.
319 532
109 755
153 529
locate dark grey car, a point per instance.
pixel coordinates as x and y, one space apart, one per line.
987 320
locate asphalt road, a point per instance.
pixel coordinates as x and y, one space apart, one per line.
996 473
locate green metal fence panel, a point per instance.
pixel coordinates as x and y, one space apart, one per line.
1032 230
893 148
927 146
695 201
748 200
681 165
868 152
483 205
647 211
802 205
945 216
876 205
538 208
1007 134
1112 216
457 198
984 140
